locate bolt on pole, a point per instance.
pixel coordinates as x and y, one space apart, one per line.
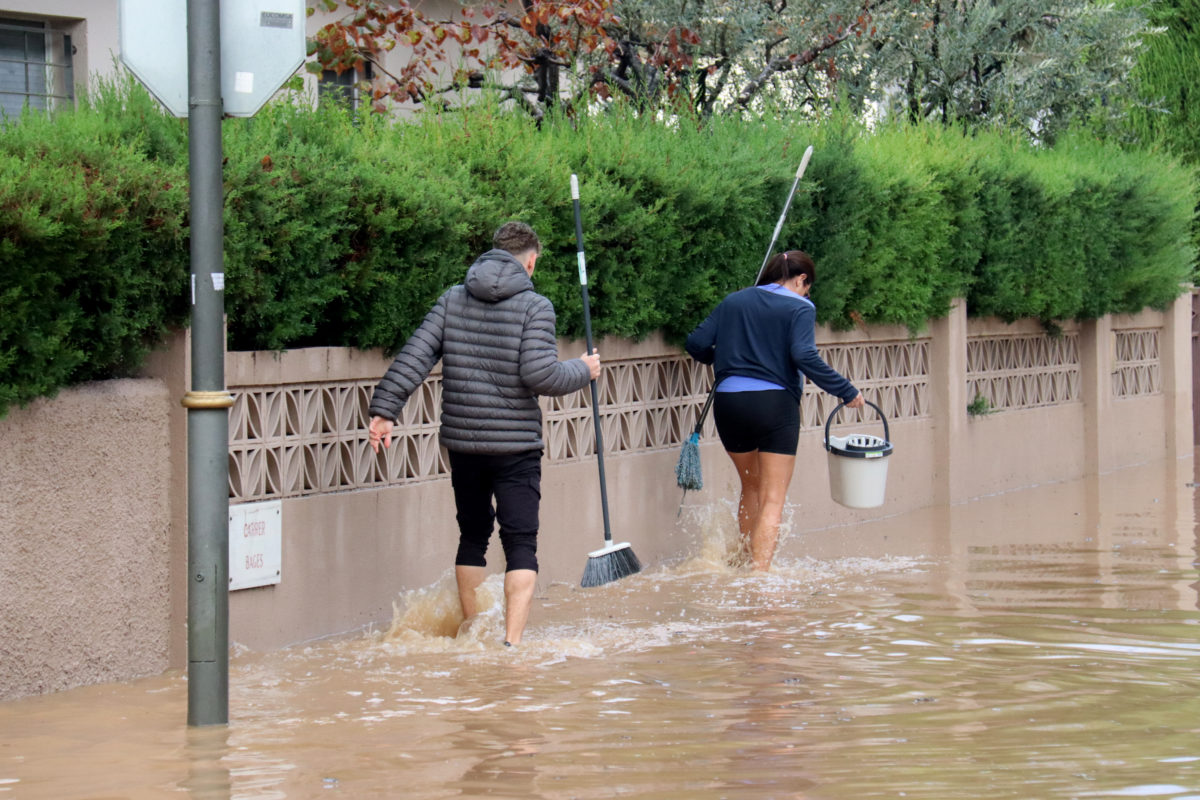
208 401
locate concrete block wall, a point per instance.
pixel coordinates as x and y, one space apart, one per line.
93 526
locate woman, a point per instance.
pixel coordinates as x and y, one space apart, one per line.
761 342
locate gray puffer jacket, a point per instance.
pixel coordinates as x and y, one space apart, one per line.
495 336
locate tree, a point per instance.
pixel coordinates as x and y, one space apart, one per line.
483 48
1037 64
711 56
1168 75
715 56
1041 65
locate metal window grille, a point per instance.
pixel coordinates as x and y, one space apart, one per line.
35 67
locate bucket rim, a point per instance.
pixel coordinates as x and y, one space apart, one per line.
879 452
857 441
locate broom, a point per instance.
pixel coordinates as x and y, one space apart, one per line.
613 561
687 471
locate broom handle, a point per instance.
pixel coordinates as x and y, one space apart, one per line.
587 329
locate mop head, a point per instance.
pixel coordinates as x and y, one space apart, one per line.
687 471
610 564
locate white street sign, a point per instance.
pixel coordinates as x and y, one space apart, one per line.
262 45
255 544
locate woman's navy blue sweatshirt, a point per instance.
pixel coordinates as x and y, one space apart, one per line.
768 335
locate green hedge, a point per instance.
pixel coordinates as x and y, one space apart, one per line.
93 249
342 231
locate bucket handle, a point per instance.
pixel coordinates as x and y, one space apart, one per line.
886 436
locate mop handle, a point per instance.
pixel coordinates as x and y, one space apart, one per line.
774 236
703 414
587 329
783 215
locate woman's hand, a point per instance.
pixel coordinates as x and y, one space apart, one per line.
857 402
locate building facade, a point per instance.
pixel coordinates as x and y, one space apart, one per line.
51 51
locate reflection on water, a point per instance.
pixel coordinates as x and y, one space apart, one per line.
1040 644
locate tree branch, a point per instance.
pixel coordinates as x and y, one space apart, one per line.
771 45
609 79
397 82
711 97
787 63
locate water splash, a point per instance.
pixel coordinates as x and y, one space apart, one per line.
430 619
658 607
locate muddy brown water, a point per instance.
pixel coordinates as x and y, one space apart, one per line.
1043 643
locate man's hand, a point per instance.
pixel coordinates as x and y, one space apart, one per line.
857 402
593 363
381 430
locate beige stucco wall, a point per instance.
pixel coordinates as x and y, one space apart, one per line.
93 509
346 556
84 538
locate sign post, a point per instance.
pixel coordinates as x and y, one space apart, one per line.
208 401
180 57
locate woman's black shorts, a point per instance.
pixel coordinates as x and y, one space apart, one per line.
768 421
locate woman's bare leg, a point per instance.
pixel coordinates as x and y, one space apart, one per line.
748 502
765 478
775 470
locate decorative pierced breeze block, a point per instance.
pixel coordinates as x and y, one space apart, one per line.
893 375
1013 372
645 404
304 439
1136 367
289 441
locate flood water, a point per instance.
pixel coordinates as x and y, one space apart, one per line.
1043 643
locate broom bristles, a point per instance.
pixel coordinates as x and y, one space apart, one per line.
610 564
687 471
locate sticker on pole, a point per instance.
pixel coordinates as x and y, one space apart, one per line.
255 544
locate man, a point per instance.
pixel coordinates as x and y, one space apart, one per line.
496 338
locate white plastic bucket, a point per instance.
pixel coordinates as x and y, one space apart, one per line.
858 465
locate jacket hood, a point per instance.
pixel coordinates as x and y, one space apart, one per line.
497 275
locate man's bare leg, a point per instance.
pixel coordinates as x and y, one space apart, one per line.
468 579
518 598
